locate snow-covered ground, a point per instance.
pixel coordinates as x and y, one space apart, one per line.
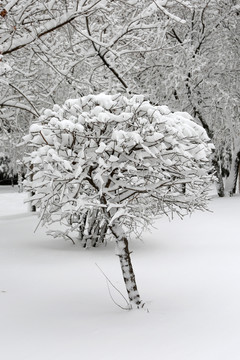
54 302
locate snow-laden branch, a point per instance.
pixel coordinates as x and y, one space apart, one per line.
18 105
14 44
111 152
166 12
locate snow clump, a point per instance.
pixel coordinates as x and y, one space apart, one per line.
101 152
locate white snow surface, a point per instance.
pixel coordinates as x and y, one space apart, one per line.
54 302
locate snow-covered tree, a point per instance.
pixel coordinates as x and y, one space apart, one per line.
107 165
184 53
59 49
197 71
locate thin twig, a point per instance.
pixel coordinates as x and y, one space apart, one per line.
109 282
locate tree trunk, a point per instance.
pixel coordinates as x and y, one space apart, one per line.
236 171
33 207
231 183
220 184
32 193
239 179
92 228
126 266
20 180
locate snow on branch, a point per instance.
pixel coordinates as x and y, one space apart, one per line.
158 3
37 31
100 160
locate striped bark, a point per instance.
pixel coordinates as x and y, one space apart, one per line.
126 267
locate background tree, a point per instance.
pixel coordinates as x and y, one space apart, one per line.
198 72
72 48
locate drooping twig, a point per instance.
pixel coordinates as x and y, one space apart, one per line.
110 282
